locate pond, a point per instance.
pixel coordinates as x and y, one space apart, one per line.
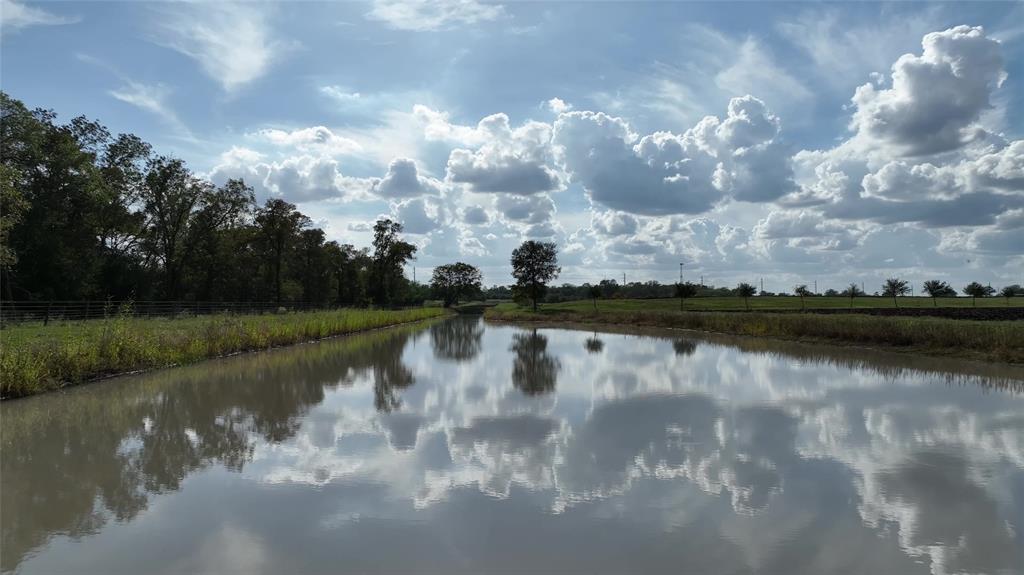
466 447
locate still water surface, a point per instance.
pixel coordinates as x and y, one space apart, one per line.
462 447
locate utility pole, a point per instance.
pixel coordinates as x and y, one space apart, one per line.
762 285
680 273
815 287
623 278
701 281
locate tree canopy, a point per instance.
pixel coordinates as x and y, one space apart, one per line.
976 290
534 264
452 282
91 215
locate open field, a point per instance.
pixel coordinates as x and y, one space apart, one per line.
1001 341
36 358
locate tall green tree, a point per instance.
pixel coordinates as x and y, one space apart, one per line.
278 224
1011 291
745 291
534 264
314 272
976 290
685 291
895 287
802 291
390 254
454 281
852 291
936 289
349 267
223 211
170 195
52 167
12 209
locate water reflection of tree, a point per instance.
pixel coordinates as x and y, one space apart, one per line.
593 344
534 371
684 347
458 339
71 461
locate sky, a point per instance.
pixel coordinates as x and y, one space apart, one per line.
792 143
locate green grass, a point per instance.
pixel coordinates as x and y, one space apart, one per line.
36 358
1001 341
780 302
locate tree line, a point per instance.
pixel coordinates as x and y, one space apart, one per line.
90 215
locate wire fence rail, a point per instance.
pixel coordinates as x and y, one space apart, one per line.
46 312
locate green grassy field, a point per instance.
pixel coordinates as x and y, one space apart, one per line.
1001 341
35 358
781 302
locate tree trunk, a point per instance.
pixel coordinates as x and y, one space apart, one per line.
935 302
894 301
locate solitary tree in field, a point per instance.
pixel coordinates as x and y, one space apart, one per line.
685 290
895 287
1011 291
976 290
534 264
936 289
745 290
594 292
455 281
802 291
853 291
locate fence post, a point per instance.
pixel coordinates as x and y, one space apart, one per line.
46 318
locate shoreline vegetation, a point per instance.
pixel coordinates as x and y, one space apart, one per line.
36 359
993 341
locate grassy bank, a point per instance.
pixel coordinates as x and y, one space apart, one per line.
736 303
37 358
1001 341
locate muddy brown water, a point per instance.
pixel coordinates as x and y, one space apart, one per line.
464 447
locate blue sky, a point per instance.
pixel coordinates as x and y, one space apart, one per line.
790 141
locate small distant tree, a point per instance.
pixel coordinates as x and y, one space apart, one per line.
685 290
895 287
594 292
534 264
976 290
452 282
745 290
802 291
852 291
1011 291
831 293
937 289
